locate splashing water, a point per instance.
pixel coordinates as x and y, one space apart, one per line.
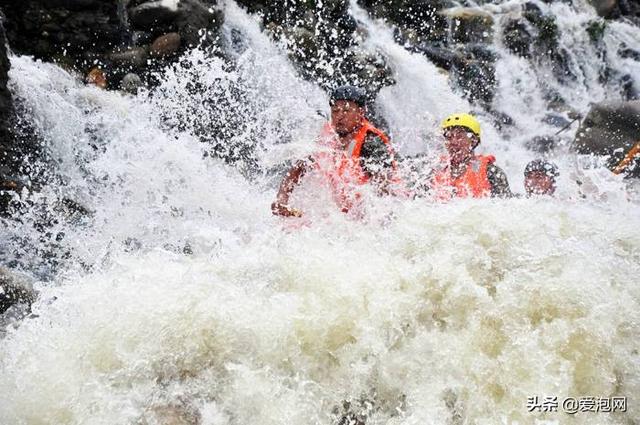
194 306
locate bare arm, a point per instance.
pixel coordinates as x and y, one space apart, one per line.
289 183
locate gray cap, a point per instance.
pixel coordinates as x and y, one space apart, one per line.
541 165
352 93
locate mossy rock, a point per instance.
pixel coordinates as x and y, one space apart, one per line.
596 30
517 37
469 25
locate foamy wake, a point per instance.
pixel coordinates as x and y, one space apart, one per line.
449 313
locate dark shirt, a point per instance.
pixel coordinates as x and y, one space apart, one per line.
498 181
375 157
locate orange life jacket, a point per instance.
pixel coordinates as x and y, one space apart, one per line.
341 167
474 182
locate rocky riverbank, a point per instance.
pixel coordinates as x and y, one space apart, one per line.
121 44
114 44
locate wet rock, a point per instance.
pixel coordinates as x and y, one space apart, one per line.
545 45
605 8
555 120
165 45
472 68
629 8
477 80
132 57
6 103
97 77
365 70
481 52
14 289
517 37
419 16
469 25
609 129
630 89
443 57
112 34
323 42
542 144
353 412
555 101
407 37
8 155
561 65
547 37
302 46
626 52
46 28
546 29
130 83
147 15
596 29
198 21
501 119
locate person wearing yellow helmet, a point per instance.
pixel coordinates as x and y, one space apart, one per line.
464 173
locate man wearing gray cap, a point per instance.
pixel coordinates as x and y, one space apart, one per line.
354 153
540 178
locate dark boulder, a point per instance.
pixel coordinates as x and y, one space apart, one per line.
441 56
517 37
596 29
114 35
605 8
324 43
8 155
195 21
629 87
79 29
545 27
501 120
629 8
469 25
627 52
165 45
476 79
556 120
609 129
131 83
542 144
198 20
150 14
14 290
135 57
421 17
6 104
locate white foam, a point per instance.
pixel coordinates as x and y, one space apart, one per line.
434 312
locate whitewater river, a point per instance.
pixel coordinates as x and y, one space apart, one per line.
184 301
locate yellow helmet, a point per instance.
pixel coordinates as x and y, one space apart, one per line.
462 120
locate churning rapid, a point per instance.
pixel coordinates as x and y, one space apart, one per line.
181 299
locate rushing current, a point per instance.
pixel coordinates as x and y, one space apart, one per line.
180 299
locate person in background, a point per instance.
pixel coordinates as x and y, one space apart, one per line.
463 172
540 178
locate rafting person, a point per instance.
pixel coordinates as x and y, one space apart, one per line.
353 153
463 172
540 178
